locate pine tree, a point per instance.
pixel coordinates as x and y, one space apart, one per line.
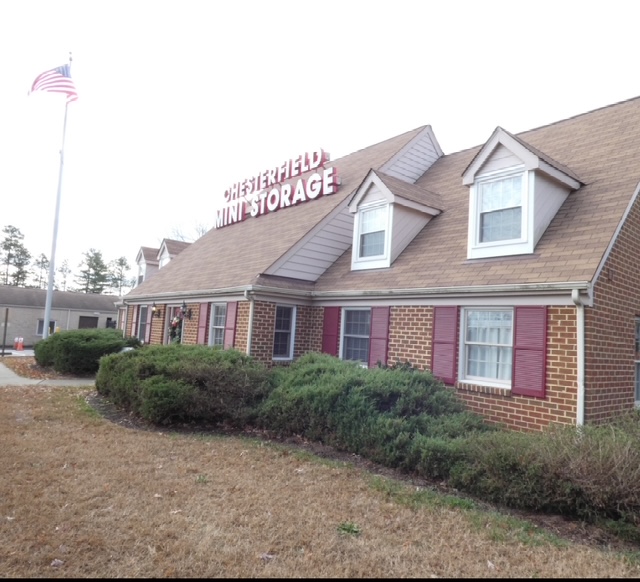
64 271
21 260
94 273
15 257
40 271
118 274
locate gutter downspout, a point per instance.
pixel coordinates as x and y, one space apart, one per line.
580 405
248 295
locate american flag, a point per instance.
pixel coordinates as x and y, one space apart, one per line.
56 80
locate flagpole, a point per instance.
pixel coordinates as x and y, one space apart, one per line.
52 261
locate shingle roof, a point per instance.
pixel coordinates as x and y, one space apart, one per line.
602 147
149 254
175 247
237 254
411 191
21 297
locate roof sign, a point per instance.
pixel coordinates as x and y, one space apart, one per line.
266 191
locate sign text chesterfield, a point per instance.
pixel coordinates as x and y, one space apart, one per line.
266 192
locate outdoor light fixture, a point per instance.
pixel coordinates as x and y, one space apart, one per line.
155 310
186 312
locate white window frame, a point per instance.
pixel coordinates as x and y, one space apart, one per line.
463 375
291 331
212 323
344 335
522 245
375 261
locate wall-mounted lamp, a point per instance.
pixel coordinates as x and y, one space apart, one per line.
186 312
155 311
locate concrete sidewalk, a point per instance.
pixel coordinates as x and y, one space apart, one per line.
10 378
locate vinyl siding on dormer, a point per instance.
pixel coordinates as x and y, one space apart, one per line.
500 159
319 252
407 223
549 196
414 160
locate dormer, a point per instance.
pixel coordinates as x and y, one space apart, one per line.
389 213
169 249
514 192
147 261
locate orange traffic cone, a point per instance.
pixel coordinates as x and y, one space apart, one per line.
20 345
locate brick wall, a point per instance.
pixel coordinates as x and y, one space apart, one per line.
264 320
410 332
610 324
158 325
242 326
522 413
308 321
410 336
308 332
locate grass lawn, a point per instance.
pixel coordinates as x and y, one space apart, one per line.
84 497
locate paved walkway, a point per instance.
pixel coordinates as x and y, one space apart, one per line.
10 378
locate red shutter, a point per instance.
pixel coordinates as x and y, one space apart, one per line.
147 328
331 330
445 343
530 351
379 337
230 324
202 323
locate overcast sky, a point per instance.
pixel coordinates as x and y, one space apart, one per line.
180 99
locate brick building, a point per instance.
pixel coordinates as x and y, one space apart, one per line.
509 270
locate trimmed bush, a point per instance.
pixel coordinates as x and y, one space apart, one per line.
397 416
79 351
187 383
375 413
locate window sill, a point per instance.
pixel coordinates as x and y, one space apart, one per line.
480 389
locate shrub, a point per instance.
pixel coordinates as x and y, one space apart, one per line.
163 401
371 412
79 351
185 382
602 463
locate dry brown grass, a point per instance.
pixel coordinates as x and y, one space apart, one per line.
83 497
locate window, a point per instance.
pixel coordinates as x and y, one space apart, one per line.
499 214
500 209
87 322
356 334
372 231
142 323
218 319
497 347
371 237
488 345
40 329
283 334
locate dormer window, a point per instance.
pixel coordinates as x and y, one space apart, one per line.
373 228
389 213
499 214
372 225
500 209
515 191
